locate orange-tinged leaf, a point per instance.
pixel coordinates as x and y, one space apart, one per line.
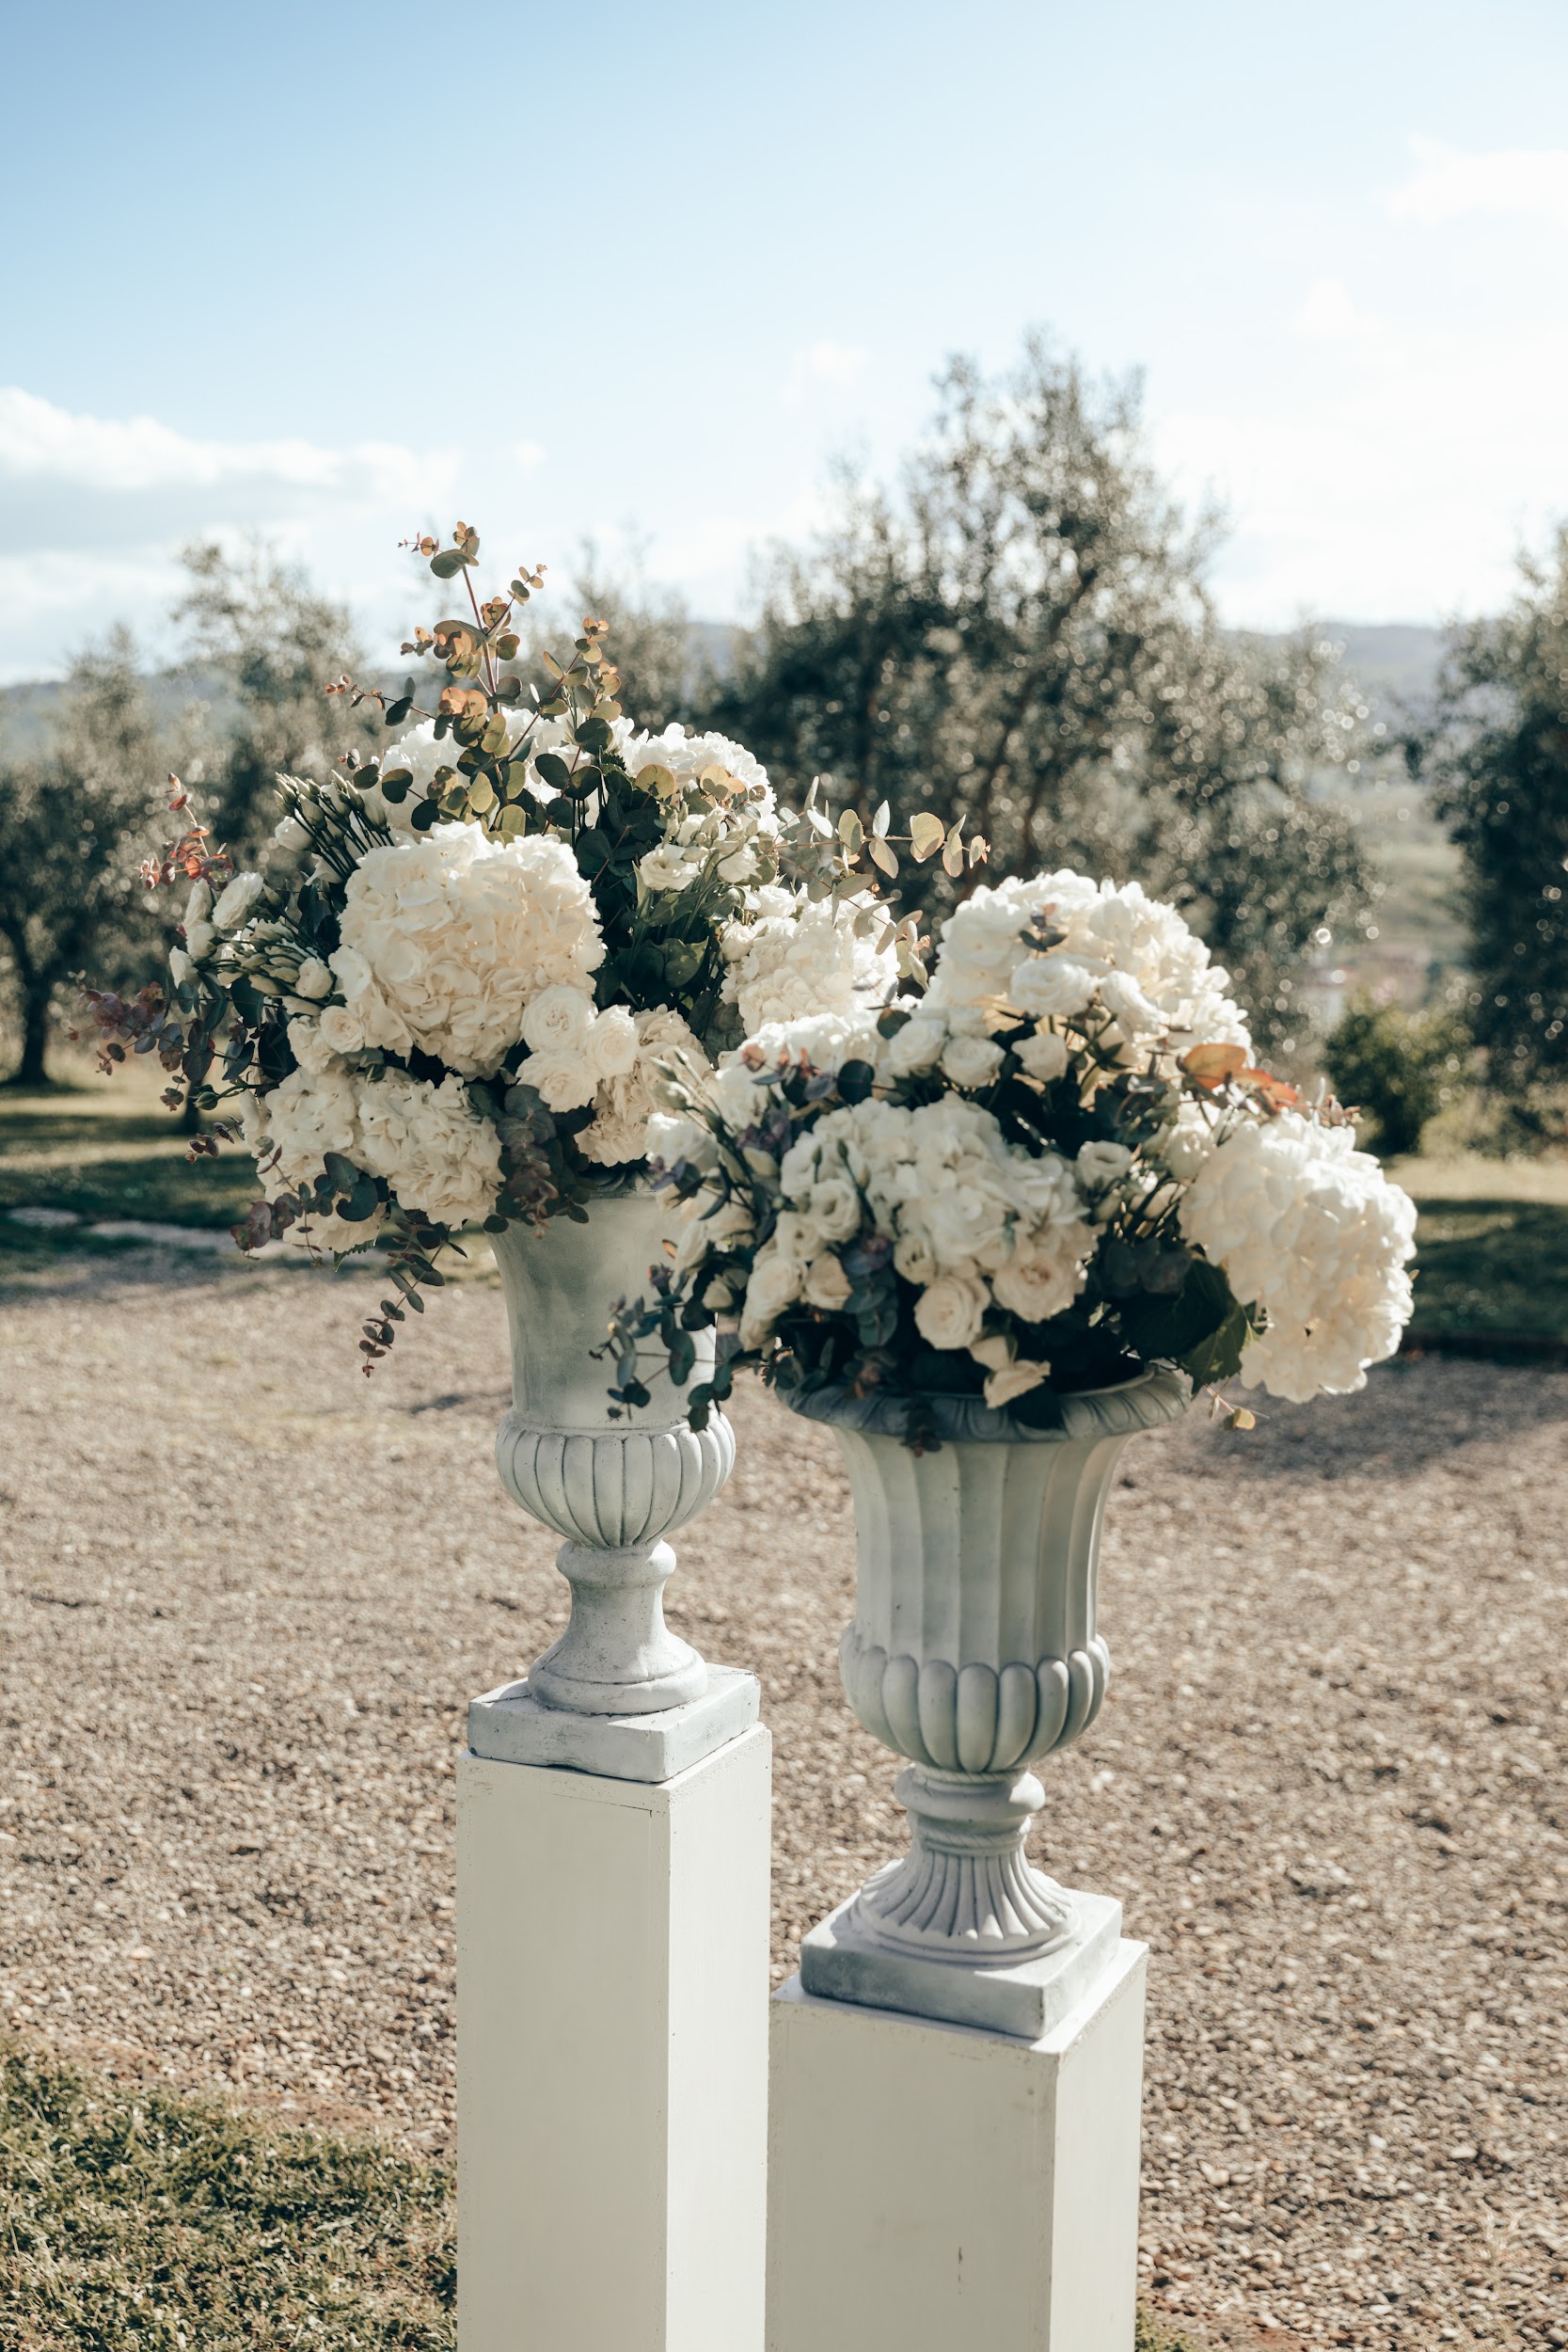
1211 1065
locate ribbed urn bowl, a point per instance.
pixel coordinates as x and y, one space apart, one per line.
973 1651
614 1487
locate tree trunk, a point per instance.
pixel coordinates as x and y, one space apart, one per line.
30 1071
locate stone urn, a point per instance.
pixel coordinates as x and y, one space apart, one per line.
975 1654
616 1488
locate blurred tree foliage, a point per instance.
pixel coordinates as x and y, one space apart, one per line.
1022 637
75 817
256 625
650 637
1496 752
1400 1068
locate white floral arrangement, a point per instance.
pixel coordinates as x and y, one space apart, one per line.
454 996
1057 1167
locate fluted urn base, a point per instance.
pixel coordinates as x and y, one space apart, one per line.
966 1893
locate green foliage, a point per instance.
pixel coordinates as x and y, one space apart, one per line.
74 819
134 2221
1495 752
1024 639
1400 1066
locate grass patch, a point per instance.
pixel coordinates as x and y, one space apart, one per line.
105 1156
134 2221
1493 1266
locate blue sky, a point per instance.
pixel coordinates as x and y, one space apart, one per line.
339 272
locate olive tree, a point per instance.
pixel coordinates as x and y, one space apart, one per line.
1020 635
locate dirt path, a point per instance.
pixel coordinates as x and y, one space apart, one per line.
244 1594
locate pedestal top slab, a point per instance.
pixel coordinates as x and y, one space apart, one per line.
510 1726
1028 1998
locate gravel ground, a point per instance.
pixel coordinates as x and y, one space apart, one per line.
246 1594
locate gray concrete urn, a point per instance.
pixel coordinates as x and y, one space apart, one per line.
973 1654
614 1489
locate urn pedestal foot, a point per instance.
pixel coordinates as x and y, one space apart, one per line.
613 2055
935 2187
513 1725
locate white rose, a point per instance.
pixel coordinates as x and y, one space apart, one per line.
971 1061
835 1208
950 1312
1043 1056
200 939
736 867
558 1020
341 1029
917 1045
237 901
1046 986
826 1286
563 1082
1013 1380
1035 1284
1101 1164
612 1043
315 978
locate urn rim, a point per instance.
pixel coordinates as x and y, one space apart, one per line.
1159 1393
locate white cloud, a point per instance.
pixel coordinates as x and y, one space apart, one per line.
1448 184
94 511
528 454
823 363
1329 315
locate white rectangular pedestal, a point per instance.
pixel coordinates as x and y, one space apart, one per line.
612 2056
936 2187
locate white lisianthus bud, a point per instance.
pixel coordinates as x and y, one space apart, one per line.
200 939
237 901
313 978
994 1349
971 1061
1013 1380
1043 1056
827 1285
181 965
914 1258
558 1020
290 834
198 906
950 1311
612 1043
776 1282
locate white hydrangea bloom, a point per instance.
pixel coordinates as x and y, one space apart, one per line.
624 1105
804 960
449 935
686 755
436 1151
1136 954
1310 1229
434 1148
